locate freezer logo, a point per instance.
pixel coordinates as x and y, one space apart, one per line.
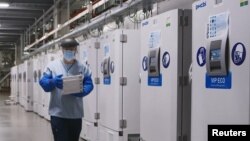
204 4
145 23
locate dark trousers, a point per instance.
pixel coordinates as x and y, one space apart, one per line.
66 129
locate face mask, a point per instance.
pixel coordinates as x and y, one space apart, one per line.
69 55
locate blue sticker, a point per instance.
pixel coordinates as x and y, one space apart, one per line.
145 63
165 59
107 80
201 56
219 82
112 67
155 80
238 54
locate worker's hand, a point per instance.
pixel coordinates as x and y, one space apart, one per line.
58 82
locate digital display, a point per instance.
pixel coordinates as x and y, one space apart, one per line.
152 61
152 64
215 55
105 68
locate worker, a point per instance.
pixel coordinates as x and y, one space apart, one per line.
66 111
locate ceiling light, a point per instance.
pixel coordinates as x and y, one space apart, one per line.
3 4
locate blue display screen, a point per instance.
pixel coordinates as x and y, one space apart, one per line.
215 55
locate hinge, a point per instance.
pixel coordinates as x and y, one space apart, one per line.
123 81
184 20
123 38
183 80
96 124
97 80
97 45
123 124
120 133
97 116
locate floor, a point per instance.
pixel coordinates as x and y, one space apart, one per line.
18 125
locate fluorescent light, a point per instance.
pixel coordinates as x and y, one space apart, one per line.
3 5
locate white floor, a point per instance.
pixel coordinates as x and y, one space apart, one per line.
18 125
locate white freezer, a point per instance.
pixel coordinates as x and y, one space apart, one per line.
14 83
44 95
220 76
49 57
165 92
22 84
119 104
19 84
88 54
40 98
28 90
36 84
12 77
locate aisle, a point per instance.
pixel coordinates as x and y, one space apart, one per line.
18 125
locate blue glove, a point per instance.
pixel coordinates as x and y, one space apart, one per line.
87 87
57 81
46 83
